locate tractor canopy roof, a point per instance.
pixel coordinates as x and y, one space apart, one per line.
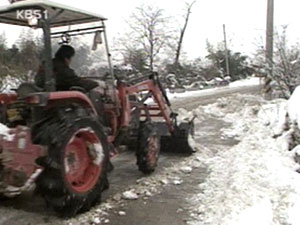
58 14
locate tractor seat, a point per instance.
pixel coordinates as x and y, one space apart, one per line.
27 88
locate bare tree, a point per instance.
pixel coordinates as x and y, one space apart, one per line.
285 66
149 32
183 29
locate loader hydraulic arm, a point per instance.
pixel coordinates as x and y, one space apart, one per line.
155 91
177 138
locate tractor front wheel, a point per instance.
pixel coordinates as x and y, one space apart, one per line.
148 147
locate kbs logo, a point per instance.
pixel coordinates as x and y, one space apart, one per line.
28 14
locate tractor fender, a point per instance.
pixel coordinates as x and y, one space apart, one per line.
7 98
65 97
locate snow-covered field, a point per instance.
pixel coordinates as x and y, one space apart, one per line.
254 182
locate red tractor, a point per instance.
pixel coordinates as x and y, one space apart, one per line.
61 141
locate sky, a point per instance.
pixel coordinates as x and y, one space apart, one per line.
245 20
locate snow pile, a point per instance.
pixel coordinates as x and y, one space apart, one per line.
130 195
246 82
254 182
275 115
230 106
228 109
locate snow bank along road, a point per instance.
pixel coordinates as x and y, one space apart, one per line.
255 181
201 189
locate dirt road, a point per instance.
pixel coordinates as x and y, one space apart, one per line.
165 201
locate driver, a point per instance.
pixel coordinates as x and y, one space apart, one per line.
65 76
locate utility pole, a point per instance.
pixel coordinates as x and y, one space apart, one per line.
226 52
269 49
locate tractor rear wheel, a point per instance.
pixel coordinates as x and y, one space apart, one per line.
148 147
76 167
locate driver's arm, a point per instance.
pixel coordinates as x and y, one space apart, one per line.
70 79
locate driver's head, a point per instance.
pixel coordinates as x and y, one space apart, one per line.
65 53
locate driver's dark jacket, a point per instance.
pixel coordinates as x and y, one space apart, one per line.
65 77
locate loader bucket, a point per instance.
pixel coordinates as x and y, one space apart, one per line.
177 142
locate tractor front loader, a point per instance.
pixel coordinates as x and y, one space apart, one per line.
61 142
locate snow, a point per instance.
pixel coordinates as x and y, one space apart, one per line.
164 181
186 169
130 195
275 114
253 81
122 213
177 182
97 153
96 220
294 107
296 152
259 214
254 182
4 131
